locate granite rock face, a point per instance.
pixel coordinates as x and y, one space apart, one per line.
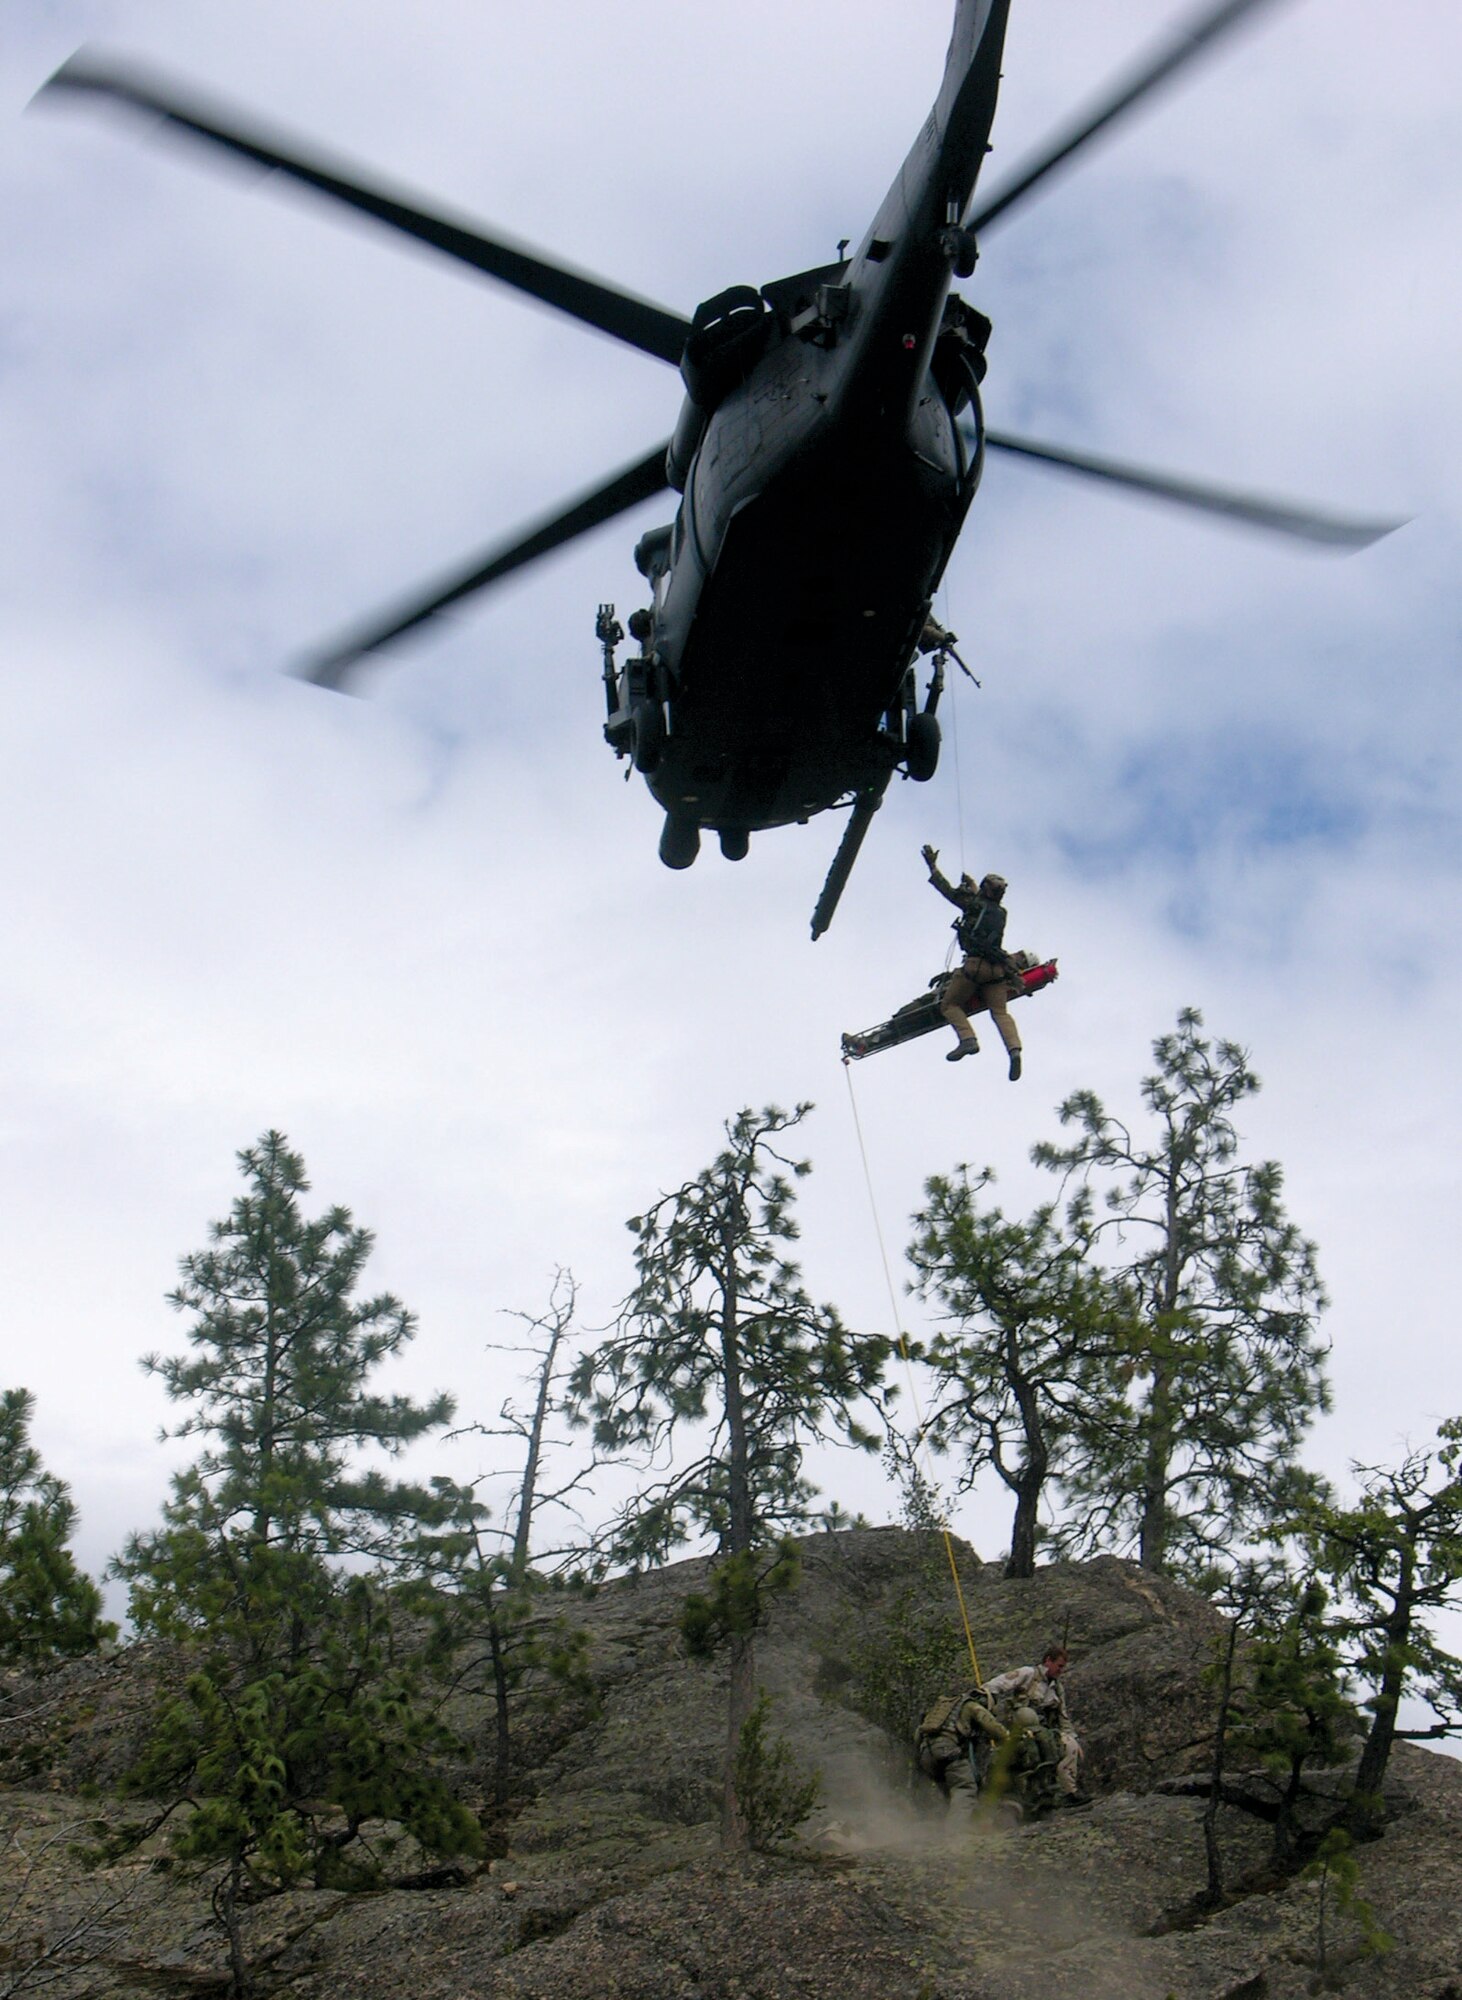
612 1884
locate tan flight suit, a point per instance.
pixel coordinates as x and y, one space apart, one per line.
977 987
1030 1687
980 985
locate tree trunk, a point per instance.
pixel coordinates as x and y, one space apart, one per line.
741 1698
263 1523
1284 1818
1213 1893
1159 1439
503 1741
226 1902
1152 1544
1365 1812
1022 1561
528 1492
1035 1461
740 1530
741 1525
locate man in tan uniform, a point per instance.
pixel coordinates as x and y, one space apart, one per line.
1039 1689
984 977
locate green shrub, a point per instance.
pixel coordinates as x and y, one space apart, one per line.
774 1791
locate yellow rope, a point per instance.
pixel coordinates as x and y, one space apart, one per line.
963 1614
908 1365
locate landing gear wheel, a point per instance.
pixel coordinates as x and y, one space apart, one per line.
735 840
646 735
921 747
680 842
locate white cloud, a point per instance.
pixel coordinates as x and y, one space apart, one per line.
427 934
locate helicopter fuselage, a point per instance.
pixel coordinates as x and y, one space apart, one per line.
824 482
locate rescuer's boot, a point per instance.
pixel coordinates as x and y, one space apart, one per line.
1015 1065
965 1046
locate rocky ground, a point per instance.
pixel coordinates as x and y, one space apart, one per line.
611 1883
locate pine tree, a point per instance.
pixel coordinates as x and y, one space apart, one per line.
1294 1713
1026 1318
1190 1433
48 1608
1395 1561
282 1355
302 1717
720 1338
493 1586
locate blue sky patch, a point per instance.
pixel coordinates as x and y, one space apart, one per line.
1177 799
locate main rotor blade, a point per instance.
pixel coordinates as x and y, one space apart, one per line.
1280 517
1164 62
625 490
648 327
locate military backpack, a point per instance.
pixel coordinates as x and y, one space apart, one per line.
939 1717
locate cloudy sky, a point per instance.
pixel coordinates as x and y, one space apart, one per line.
426 933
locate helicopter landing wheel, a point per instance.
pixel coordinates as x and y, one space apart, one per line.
647 735
680 842
735 840
921 747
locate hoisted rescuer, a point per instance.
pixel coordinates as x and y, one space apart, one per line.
987 976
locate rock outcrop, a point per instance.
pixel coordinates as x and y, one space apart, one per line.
612 1885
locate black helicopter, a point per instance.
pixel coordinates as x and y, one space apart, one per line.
828 445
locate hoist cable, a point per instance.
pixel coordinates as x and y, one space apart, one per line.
959 783
920 1440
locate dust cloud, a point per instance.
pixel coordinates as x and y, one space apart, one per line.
871 1805
1004 1893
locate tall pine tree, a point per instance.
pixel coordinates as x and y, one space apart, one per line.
302 1718
720 1342
1394 1557
278 1378
1024 1318
1190 1432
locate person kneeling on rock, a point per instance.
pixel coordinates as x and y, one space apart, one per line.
948 1737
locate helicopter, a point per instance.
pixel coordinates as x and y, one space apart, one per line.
829 443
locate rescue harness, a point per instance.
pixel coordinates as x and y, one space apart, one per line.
981 931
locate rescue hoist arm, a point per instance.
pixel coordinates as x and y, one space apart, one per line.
865 805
